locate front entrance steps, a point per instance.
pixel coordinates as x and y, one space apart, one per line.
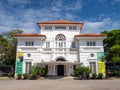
60 77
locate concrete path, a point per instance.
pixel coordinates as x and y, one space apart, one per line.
59 84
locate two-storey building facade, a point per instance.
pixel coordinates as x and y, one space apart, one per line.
61 48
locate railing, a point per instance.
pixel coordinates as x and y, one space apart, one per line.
28 49
73 49
91 49
45 50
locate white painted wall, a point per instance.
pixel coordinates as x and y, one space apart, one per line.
38 54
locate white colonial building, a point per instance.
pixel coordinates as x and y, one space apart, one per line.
61 48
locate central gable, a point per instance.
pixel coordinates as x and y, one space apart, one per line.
61 22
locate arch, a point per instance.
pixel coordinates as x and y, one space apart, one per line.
60 58
60 41
60 37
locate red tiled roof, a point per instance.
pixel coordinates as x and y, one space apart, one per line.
61 22
29 35
90 35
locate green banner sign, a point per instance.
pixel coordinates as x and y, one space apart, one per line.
19 63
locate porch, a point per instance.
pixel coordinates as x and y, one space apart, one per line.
60 68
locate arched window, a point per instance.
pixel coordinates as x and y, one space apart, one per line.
60 41
60 37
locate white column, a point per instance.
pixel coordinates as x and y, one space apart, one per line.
68 69
64 69
53 69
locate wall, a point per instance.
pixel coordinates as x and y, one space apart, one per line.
40 53
85 50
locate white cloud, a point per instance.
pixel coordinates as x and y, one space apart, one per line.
98 27
65 10
70 16
4 29
27 18
12 2
116 1
74 6
92 27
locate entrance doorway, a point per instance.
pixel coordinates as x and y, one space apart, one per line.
60 70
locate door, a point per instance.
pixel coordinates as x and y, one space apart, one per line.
60 70
27 67
93 67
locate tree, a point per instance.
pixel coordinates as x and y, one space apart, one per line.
10 47
112 46
3 44
115 49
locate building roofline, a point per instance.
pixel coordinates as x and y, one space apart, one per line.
91 35
61 22
28 35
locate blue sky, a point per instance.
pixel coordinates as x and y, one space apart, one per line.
97 15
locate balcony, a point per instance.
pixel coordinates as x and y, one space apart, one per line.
73 50
91 49
28 49
46 49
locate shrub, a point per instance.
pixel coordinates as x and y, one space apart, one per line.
100 76
83 70
76 72
37 70
25 76
94 75
118 73
19 76
43 72
10 75
33 76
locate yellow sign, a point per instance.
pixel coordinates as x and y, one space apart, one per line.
101 67
19 56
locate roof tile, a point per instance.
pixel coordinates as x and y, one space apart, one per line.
90 35
29 35
61 22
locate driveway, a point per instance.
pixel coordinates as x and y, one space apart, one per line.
59 84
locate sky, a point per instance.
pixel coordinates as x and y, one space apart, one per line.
97 15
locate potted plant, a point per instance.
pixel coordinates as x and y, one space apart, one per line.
33 76
84 71
76 72
19 76
94 75
43 72
35 72
87 72
100 76
25 76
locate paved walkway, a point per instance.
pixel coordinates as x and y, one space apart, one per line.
59 84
